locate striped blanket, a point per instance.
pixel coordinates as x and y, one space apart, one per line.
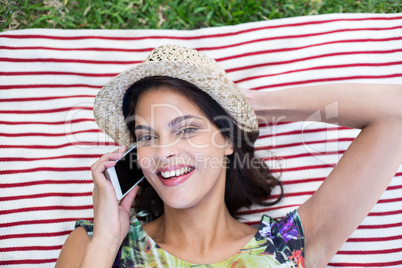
49 139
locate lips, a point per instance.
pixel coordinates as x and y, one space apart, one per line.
175 175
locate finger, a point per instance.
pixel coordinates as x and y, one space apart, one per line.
108 160
98 170
122 149
112 156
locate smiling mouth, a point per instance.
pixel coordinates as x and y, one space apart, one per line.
175 173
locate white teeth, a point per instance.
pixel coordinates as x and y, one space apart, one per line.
177 172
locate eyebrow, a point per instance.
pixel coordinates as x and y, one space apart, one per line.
171 123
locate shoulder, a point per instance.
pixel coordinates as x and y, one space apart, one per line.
289 226
74 248
153 229
88 226
283 235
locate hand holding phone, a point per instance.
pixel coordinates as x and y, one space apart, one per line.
126 174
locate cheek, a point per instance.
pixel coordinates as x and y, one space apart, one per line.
145 161
210 159
199 141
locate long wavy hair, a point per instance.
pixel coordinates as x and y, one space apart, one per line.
248 179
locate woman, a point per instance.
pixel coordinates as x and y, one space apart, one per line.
196 222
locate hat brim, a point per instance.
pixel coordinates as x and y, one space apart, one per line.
108 104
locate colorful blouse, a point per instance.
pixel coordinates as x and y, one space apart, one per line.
277 243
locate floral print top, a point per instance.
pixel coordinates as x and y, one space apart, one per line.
278 243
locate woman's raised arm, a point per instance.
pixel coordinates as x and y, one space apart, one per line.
363 173
111 222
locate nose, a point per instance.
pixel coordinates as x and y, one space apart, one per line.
166 148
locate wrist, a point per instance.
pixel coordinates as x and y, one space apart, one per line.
268 106
100 253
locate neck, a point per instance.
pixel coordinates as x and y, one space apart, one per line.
202 224
205 233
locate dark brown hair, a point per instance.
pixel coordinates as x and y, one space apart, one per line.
248 179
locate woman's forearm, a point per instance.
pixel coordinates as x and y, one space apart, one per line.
351 105
99 254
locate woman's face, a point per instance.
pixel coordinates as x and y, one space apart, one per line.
181 153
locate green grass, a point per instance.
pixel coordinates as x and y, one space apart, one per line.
174 14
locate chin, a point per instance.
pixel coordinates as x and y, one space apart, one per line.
179 201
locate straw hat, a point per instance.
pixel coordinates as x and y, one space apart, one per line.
178 62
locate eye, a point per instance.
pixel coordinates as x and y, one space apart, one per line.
144 138
187 130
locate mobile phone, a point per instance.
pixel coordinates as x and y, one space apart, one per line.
126 174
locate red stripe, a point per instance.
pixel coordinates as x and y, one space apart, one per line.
252 211
49 86
252 222
390 200
36 36
344 53
4 87
289 182
218 59
274 170
47 221
47 123
312 192
301 181
60 73
321 68
46 98
11 146
304 36
69 61
31 196
27 261
13 159
65 109
19 236
32 134
281 157
396 187
383 226
30 248
369 252
263 52
375 239
53 169
385 213
330 80
270 147
371 264
298 132
30 209
110 49
231 45
271 124
30 183
275 196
